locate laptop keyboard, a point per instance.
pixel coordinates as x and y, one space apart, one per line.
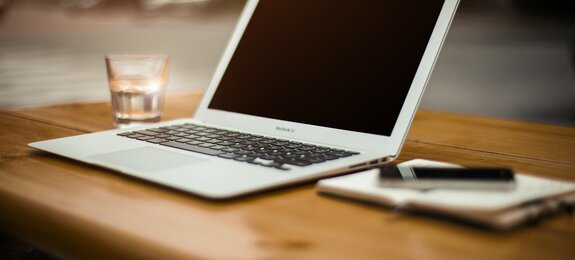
255 149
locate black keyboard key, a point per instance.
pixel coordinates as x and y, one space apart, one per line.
238 146
247 142
299 163
230 150
260 145
145 138
341 153
192 148
157 130
250 148
214 141
268 157
302 152
243 152
183 140
189 126
293 161
274 152
228 155
218 147
206 145
280 143
157 140
194 142
290 155
255 154
209 130
328 157
315 160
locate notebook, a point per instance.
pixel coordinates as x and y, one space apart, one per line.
532 198
334 83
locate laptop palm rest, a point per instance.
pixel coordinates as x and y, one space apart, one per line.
145 159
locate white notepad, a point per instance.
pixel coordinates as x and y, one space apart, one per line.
532 198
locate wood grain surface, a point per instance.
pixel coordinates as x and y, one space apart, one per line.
79 211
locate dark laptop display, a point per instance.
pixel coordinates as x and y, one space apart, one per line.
337 64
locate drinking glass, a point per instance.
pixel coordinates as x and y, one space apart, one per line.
137 85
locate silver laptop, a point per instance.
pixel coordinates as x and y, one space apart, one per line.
304 90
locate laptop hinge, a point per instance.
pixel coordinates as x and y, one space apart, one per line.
381 161
373 163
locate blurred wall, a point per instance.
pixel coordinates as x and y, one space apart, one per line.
510 59
53 50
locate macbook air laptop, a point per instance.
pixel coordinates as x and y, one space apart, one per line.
304 90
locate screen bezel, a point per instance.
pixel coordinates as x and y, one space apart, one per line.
385 145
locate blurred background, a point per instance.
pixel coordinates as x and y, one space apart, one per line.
502 58
511 59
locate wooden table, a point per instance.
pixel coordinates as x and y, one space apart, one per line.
79 211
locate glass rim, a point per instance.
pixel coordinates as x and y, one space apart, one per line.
139 56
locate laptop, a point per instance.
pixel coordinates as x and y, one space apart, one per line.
304 90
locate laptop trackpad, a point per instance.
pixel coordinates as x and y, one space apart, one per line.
145 159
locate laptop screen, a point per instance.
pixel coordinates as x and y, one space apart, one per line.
338 64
